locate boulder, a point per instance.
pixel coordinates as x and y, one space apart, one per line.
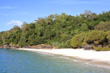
26 47
87 46
99 46
1 46
6 46
43 46
13 47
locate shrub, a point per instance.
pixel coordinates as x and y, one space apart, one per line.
95 37
108 36
84 27
67 44
102 48
96 42
61 45
105 26
78 39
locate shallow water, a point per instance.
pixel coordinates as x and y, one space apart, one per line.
19 61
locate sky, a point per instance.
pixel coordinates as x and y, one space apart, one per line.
15 12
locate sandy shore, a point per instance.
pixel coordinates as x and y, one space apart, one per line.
94 57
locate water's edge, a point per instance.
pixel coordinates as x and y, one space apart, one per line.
102 64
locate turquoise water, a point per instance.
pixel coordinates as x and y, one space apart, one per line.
17 61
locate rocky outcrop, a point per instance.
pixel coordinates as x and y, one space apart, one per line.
13 47
8 47
1 46
26 47
43 46
87 46
40 46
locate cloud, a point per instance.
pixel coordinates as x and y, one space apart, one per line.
15 23
7 7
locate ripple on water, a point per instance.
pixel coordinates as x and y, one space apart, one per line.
16 61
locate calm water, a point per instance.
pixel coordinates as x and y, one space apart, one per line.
17 61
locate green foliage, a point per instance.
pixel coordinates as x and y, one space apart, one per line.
78 39
96 42
22 42
58 30
1 40
6 37
105 26
95 37
102 48
84 27
65 44
108 35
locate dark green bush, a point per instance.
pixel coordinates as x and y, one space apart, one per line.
96 42
108 36
78 39
102 48
105 26
96 37
67 44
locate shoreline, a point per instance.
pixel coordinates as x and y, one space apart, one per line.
98 58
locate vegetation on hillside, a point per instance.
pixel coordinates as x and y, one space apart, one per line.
63 31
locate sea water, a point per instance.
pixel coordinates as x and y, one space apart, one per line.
19 61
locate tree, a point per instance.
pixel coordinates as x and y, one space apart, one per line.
105 26
96 37
60 29
1 40
108 37
84 27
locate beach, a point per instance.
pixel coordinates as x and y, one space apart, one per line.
90 56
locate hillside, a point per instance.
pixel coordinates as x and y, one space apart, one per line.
88 30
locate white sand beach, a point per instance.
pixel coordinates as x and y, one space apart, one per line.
77 53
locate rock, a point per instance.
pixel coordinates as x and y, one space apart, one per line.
13 47
99 46
26 47
109 41
1 46
6 46
43 46
87 46
9 47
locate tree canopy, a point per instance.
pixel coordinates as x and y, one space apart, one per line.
62 31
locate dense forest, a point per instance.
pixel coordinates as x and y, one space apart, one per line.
88 30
